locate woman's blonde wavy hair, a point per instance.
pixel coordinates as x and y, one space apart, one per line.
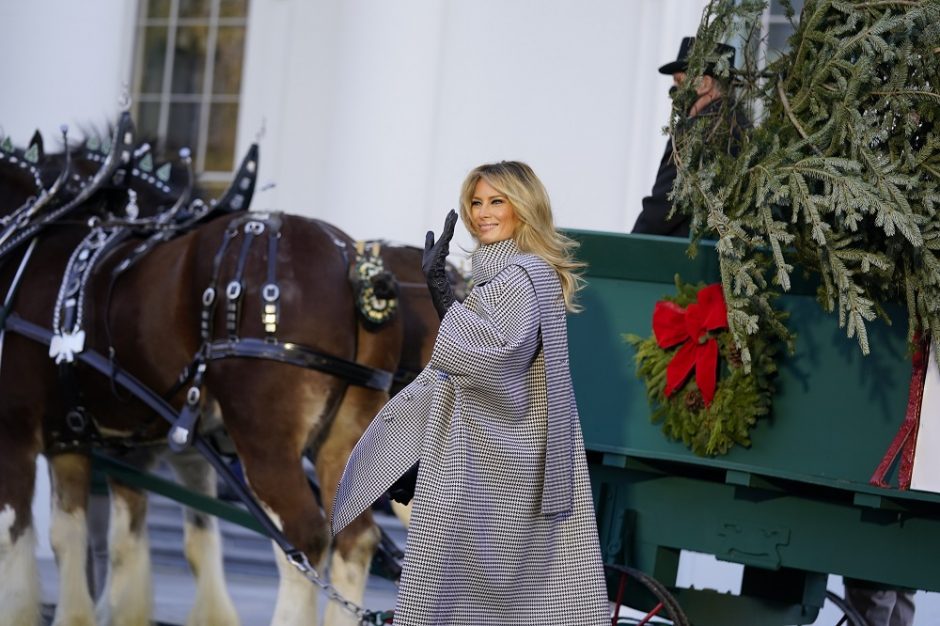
536 231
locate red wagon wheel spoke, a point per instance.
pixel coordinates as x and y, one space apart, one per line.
651 614
666 605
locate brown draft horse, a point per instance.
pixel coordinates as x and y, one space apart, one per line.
272 411
27 381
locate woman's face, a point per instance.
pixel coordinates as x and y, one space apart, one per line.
492 216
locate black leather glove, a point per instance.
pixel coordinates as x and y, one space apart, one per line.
434 265
403 489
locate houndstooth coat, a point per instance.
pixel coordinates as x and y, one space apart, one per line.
502 526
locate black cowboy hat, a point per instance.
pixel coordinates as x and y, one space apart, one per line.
682 59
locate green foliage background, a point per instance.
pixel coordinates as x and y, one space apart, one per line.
840 176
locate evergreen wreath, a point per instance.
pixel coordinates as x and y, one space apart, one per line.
715 408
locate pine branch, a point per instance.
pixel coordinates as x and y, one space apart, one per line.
840 177
789 110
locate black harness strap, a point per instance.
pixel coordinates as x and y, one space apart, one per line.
302 356
98 362
183 431
184 427
270 292
15 287
235 287
78 429
209 296
97 244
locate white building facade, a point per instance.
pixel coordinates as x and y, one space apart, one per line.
373 111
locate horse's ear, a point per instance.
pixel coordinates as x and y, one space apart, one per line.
35 151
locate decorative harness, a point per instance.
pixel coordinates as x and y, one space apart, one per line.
20 217
118 157
66 339
376 289
254 227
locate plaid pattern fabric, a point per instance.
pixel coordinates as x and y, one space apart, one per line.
386 450
502 529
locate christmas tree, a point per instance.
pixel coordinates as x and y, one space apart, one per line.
839 174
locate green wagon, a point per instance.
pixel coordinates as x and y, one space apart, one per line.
792 508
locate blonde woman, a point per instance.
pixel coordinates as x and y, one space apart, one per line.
502 525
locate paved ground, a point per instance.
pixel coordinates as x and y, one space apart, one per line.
253 588
253 584
253 596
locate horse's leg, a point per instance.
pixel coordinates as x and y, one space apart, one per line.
353 548
127 598
71 479
19 574
203 544
271 422
25 377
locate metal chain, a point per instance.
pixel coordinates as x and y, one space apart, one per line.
299 560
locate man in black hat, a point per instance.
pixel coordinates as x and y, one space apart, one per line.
654 218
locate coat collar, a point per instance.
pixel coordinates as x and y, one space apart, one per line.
489 260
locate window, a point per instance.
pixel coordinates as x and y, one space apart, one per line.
776 29
187 80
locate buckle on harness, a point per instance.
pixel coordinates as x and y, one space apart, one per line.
76 421
208 296
270 292
233 290
254 228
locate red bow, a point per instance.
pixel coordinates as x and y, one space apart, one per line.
672 325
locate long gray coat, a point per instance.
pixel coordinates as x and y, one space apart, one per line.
502 526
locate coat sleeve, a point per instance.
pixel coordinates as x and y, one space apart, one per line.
654 218
488 349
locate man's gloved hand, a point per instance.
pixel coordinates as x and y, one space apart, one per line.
434 265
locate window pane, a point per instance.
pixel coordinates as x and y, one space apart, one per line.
147 120
194 8
189 64
153 51
183 128
776 7
777 37
229 53
233 8
220 149
158 8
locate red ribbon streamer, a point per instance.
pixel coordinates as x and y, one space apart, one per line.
904 442
673 325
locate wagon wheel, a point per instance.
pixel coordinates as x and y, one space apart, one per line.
665 605
851 617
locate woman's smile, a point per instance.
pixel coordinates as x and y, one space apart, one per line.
494 218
